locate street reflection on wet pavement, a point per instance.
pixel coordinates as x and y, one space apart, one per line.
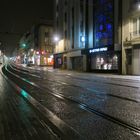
93 106
18 120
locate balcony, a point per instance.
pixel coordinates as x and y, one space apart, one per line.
135 35
134 38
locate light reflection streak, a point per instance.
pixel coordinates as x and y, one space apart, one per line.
24 93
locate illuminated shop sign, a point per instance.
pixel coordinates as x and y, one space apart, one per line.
98 50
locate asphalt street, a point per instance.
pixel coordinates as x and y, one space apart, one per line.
18 119
94 106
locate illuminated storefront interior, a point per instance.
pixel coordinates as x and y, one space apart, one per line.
104 62
44 59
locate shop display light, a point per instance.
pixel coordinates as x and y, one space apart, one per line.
32 50
43 52
37 52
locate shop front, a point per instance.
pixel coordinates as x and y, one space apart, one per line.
77 63
103 60
44 59
58 60
132 63
135 59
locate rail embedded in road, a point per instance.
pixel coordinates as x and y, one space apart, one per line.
86 107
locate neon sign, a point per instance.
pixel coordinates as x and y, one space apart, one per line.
98 50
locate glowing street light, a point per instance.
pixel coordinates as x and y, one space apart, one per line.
139 6
56 38
23 45
32 50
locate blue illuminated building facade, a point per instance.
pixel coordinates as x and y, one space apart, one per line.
104 23
105 56
91 32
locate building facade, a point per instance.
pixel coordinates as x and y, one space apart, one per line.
89 35
37 45
131 37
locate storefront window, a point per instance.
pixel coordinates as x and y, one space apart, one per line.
60 61
104 62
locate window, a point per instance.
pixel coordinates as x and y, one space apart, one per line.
104 62
65 40
47 34
73 27
136 26
81 15
104 23
65 18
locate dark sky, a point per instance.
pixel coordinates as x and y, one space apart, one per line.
17 16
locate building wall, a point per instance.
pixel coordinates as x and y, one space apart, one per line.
39 44
125 32
45 38
131 38
80 21
90 24
71 40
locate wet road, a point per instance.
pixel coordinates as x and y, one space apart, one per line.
18 119
95 107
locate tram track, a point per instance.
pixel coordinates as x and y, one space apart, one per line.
77 86
95 80
84 106
56 126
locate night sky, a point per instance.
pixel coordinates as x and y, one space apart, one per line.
17 17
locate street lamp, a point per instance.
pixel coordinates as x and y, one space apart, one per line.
139 6
23 45
56 38
32 50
